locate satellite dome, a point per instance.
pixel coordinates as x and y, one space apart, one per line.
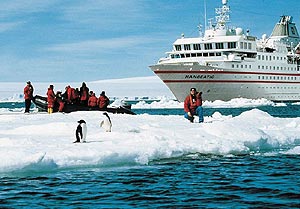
239 31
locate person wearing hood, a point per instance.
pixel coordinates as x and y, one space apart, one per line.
28 95
84 94
103 101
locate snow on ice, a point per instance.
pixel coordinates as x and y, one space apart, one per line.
42 141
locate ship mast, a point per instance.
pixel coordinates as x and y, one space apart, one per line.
223 15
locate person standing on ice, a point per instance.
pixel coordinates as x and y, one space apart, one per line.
28 95
193 106
50 99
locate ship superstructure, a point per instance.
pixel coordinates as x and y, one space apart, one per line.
229 63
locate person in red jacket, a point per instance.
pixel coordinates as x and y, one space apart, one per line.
60 101
50 99
92 100
193 106
84 94
28 95
70 95
103 101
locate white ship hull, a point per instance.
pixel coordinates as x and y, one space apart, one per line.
226 84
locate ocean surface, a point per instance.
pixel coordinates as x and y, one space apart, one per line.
196 180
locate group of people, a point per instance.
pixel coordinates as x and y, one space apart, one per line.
82 96
79 96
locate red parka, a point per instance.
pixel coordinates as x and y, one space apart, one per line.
28 92
192 102
50 97
103 101
93 101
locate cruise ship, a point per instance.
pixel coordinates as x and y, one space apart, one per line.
227 62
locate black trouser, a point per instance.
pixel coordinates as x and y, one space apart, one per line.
27 104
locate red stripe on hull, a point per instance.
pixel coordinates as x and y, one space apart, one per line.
222 72
225 81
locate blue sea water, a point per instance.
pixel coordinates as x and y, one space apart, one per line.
263 180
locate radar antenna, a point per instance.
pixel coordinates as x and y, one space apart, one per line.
223 14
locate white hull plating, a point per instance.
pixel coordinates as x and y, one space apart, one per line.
221 84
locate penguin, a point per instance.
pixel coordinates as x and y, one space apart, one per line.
106 123
81 131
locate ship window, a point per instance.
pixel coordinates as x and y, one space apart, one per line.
211 54
193 54
262 67
258 77
218 54
258 57
199 54
258 66
245 66
231 45
208 46
197 46
266 67
250 66
245 45
249 46
205 54
172 56
232 66
266 57
187 47
219 46
182 55
262 57
273 67
187 55
241 66
178 47
274 58
242 45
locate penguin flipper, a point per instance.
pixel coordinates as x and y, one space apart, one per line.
101 123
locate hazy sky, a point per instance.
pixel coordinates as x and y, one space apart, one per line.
87 40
